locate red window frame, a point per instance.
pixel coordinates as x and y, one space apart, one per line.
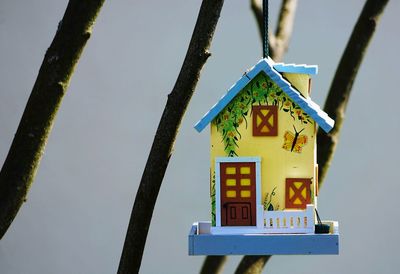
290 184
272 129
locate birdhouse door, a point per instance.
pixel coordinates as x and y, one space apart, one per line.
238 193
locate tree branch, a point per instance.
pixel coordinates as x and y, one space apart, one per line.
278 43
342 83
213 264
23 159
257 9
164 140
284 29
252 264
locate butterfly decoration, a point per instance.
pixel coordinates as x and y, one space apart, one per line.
294 142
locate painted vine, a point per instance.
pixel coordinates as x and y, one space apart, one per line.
213 202
268 201
261 90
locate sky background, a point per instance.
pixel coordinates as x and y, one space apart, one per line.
78 208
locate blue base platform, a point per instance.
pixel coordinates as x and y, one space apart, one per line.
262 244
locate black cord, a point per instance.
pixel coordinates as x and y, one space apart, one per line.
265 16
318 218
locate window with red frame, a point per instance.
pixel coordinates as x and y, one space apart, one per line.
265 120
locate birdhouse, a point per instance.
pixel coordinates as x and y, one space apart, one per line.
264 171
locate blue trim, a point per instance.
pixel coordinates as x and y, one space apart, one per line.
262 244
267 65
217 108
311 108
232 92
254 159
292 68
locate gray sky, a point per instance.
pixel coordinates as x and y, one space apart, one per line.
78 208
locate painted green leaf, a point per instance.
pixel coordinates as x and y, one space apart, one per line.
261 90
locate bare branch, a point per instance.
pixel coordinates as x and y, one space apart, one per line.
161 150
284 29
278 43
256 7
213 264
252 264
23 159
343 80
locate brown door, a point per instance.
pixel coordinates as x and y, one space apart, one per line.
238 194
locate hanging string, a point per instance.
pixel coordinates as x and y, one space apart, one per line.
265 17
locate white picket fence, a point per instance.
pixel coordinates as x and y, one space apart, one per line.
289 221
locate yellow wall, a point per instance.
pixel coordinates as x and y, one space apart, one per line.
277 164
299 81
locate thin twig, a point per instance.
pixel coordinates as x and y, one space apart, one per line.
342 83
23 159
161 150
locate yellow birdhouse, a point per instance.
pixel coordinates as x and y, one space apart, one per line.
264 172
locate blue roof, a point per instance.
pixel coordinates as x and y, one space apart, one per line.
292 68
273 71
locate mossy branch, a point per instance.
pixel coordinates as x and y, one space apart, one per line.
161 150
22 161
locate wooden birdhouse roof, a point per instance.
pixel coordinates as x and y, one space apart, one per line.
273 70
